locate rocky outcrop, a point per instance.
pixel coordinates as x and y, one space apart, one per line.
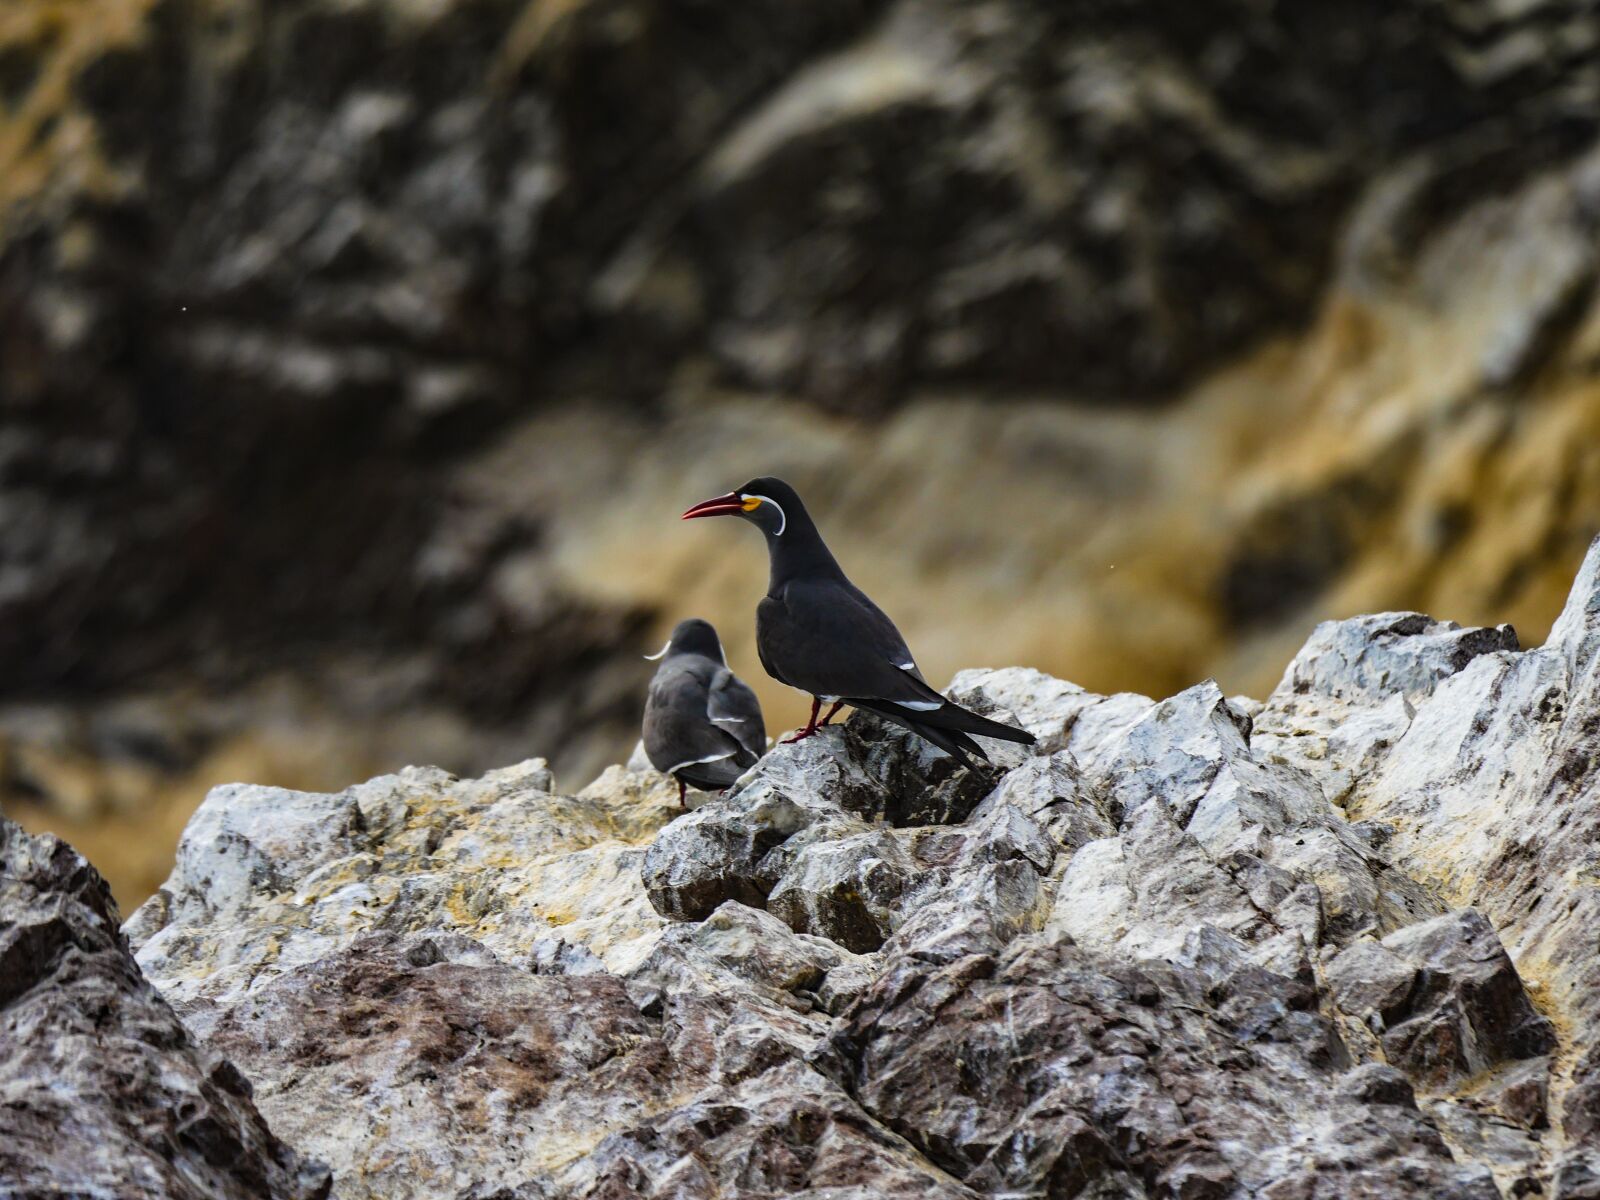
1045 1069
539 880
103 1092
1334 944
362 296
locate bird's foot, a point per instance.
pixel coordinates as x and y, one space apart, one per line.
811 724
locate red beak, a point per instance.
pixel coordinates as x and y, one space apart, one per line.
718 506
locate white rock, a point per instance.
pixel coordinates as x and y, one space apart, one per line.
267 879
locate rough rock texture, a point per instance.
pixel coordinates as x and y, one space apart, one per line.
363 296
1443 997
103 1092
531 876
1043 1070
424 1064
1337 944
474 965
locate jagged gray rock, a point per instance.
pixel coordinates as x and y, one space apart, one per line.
742 949
1352 690
1336 944
1443 998
800 841
103 1092
1048 1070
845 889
1493 793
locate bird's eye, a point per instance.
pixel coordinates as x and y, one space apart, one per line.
751 503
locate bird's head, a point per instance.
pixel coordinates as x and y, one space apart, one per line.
693 636
768 503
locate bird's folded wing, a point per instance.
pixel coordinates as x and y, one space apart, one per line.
831 640
906 688
706 744
677 731
733 707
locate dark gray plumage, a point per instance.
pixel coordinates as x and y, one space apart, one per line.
702 724
817 631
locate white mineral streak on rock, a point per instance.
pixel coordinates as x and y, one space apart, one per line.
1196 947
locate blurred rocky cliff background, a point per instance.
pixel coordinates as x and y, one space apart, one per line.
357 356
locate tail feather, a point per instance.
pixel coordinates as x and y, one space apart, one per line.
952 741
968 721
952 716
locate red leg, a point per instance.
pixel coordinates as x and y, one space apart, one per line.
837 705
682 803
811 725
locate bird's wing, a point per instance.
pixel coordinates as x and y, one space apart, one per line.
828 639
677 730
733 707
825 637
885 637
771 620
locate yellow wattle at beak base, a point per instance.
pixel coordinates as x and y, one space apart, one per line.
750 503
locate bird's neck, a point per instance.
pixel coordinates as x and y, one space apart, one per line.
799 553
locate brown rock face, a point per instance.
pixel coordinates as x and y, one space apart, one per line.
429 1048
1447 1000
102 1090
